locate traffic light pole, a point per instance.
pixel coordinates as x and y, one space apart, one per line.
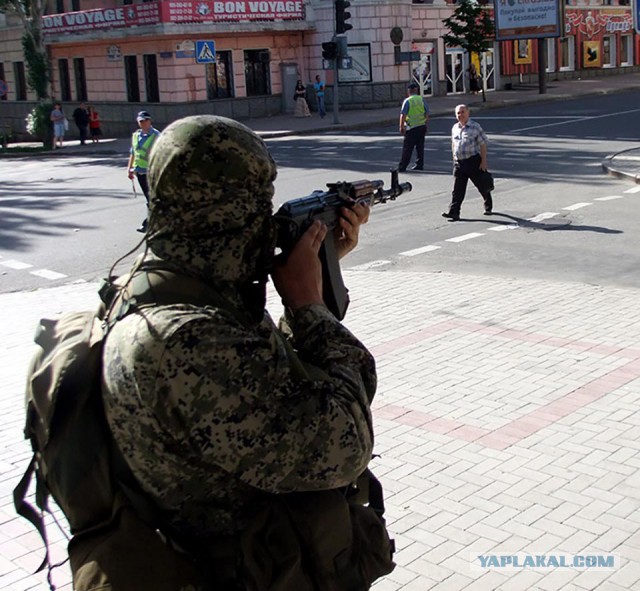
336 92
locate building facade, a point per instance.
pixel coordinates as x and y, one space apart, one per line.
241 58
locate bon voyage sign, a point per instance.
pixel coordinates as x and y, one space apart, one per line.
527 19
102 18
231 10
152 13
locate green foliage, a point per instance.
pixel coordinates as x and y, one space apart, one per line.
37 65
39 123
35 53
470 27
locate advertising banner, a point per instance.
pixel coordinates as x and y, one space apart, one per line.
187 11
527 19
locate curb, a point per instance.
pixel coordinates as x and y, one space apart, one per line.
613 170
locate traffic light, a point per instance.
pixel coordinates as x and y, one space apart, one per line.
330 50
342 16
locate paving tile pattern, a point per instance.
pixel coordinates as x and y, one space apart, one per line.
506 418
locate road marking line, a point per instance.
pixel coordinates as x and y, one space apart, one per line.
423 249
504 227
46 274
609 198
16 265
576 206
633 190
465 237
542 216
371 265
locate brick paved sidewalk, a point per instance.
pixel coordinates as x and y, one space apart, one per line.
506 420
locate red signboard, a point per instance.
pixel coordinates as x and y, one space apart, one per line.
187 11
102 18
194 11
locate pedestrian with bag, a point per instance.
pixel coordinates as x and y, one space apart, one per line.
142 141
414 115
246 436
300 97
81 119
60 124
469 151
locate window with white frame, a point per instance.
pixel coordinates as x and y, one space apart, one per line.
626 50
567 53
551 54
609 51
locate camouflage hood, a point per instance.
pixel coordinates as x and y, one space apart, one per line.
211 183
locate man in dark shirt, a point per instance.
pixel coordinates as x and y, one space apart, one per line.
81 118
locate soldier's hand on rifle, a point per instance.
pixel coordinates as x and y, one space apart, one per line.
347 233
298 279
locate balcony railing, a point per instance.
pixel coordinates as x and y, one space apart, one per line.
178 12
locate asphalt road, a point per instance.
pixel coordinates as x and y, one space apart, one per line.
557 214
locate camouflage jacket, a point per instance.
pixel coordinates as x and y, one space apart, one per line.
212 416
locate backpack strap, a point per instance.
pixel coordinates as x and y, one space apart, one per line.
27 510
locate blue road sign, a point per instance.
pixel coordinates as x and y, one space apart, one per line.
206 52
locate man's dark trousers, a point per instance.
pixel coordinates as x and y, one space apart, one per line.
413 138
463 170
83 132
144 185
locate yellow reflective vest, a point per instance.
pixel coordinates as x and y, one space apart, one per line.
141 150
417 114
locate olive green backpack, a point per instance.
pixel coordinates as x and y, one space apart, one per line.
320 541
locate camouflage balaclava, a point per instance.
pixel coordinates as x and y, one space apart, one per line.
211 183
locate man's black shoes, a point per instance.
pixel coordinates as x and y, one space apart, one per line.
451 217
416 167
143 227
488 212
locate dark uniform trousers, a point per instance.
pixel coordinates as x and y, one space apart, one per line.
144 185
463 170
413 138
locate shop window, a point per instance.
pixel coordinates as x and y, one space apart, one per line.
65 81
20 81
219 77
567 53
151 78
81 79
131 78
551 54
75 5
609 51
626 50
256 72
59 6
4 97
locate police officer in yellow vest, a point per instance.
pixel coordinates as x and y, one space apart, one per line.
414 115
141 142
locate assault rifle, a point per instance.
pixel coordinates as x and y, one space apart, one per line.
295 216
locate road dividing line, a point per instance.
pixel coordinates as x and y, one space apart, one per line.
46 274
417 251
17 265
371 265
576 206
504 227
542 216
633 190
464 237
609 198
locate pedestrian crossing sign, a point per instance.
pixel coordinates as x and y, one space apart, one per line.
206 52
